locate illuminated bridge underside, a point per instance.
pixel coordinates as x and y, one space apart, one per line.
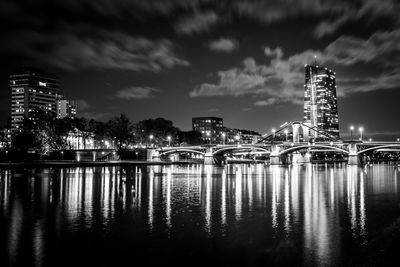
353 150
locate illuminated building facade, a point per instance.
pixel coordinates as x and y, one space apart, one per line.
320 102
211 128
31 90
65 108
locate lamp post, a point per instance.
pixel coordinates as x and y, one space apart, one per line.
151 139
361 129
169 140
286 133
237 137
351 132
208 137
223 138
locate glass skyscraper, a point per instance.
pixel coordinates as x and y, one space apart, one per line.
320 103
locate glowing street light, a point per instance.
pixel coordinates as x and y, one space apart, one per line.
208 137
169 140
361 129
223 138
351 132
370 139
237 137
286 133
151 139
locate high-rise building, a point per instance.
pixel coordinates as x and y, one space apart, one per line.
65 108
210 127
320 103
31 90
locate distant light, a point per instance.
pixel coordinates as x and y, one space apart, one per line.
370 139
351 127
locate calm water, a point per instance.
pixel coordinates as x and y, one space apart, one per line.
235 215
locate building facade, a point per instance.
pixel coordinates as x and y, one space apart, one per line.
65 108
211 128
32 89
320 102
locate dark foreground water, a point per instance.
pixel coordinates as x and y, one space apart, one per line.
237 215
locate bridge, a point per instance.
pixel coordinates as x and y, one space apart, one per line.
293 142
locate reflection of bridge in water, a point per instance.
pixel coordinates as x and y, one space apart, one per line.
293 143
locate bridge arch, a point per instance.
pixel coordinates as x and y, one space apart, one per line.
295 148
378 147
177 151
240 148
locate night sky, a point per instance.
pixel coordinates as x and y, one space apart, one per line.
240 60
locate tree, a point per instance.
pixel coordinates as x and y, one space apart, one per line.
120 129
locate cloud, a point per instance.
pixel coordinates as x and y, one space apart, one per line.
282 80
263 103
196 23
339 12
277 52
108 51
135 93
224 45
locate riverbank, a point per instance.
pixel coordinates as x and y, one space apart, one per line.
66 164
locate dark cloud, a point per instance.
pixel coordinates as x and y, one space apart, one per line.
282 79
136 93
111 50
196 23
226 45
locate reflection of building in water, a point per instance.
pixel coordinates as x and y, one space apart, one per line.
305 205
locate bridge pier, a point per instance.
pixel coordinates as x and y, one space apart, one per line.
275 160
354 159
153 155
301 157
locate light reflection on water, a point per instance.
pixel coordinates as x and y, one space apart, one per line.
249 214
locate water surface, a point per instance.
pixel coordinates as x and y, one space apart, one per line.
235 215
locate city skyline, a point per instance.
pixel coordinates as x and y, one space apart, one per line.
242 61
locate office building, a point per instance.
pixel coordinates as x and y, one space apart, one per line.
65 108
320 103
210 127
32 90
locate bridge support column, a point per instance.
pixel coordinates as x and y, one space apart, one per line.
354 159
209 157
153 155
301 157
275 158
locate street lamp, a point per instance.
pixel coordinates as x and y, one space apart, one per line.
151 139
223 138
398 139
169 140
208 137
351 132
370 139
286 133
237 137
361 129
273 133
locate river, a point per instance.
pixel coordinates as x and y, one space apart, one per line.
232 215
